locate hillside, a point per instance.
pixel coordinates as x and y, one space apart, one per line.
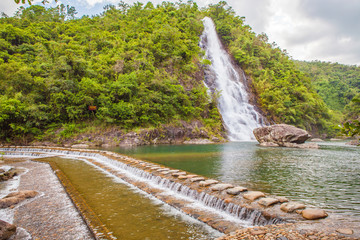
337 84
141 66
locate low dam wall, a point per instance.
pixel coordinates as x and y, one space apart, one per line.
221 205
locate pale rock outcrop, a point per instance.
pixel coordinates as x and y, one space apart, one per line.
283 135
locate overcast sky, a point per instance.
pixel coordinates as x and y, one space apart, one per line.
326 30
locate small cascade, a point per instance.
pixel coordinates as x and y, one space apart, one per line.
206 201
239 116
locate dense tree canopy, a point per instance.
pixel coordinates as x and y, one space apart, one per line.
336 83
140 65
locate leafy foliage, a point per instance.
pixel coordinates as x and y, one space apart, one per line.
138 64
336 83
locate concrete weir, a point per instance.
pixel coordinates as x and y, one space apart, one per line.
222 206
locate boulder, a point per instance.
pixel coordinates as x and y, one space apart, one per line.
268 201
6 175
236 190
291 206
208 182
313 214
253 195
6 230
197 179
16 197
280 134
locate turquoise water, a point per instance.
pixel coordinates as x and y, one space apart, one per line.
328 177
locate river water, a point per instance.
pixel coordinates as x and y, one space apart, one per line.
126 211
328 177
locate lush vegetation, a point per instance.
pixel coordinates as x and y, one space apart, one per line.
284 92
141 66
336 83
339 86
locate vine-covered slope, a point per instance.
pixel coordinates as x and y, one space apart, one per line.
140 65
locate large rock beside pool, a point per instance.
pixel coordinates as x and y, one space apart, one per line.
281 135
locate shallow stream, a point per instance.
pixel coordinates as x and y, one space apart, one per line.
328 177
127 212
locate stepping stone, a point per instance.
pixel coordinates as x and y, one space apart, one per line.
165 172
197 179
282 199
221 187
154 168
253 195
174 171
182 177
236 190
346 231
291 206
208 182
178 174
162 170
191 176
268 201
313 214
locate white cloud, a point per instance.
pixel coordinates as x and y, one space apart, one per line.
9 7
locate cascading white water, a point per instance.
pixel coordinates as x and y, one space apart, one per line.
239 116
246 217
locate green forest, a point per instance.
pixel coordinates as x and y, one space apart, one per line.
141 66
337 84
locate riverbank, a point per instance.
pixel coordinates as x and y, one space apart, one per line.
94 135
52 214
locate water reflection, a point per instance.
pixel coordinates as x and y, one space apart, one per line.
328 177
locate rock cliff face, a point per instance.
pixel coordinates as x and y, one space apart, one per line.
283 135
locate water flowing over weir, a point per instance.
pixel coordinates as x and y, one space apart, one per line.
239 116
158 181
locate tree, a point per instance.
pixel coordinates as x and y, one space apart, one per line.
30 2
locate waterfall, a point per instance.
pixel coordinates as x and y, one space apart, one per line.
239 116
